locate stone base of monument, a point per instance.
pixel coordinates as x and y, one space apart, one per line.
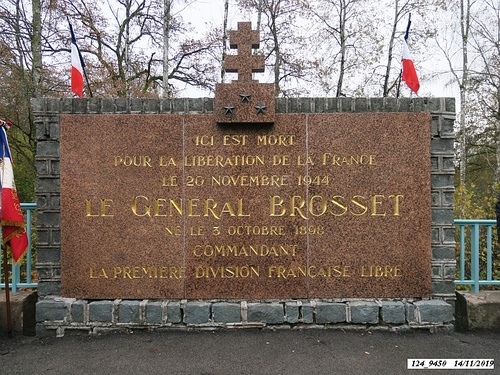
22 312
61 316
478 310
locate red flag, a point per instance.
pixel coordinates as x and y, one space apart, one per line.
409 72
13 228
77 66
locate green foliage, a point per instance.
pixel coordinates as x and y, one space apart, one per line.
25 177
474 203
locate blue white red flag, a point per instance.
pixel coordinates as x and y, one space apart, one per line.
77 66
409 72
12 221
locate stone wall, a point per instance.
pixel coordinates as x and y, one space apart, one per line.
57 315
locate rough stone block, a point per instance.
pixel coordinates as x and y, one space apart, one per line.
42 331
319 105
80 106
410 313
101 311
51 310
121 105
179 105
281 105
441 145
330 312
437 271
49 288
443 253
393 312
433 311
136 105
307 313
478 310
361 104
154 313
151 106
443 287
165 106
364 312
94 105
403 105
434 104
49 255
391 104
196 313
174 314
108 106
377 104
196 105
129 312
23 314
450 105
269 313
77 311
292 312
442 216
225 312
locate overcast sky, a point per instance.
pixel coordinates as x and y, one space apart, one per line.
203 13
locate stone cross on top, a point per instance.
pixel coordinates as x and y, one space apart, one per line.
244 63
245 100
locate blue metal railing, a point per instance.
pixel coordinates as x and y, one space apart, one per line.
476 263
16 282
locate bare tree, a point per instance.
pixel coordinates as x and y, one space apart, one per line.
167 4
484 77
460 76
281 40
349 40
224 39
138 48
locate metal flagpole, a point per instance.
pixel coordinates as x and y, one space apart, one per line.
81 60
406 39
4 248
7 292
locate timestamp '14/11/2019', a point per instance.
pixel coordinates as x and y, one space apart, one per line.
445 364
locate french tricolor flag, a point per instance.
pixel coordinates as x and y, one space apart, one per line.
14 235
409 73
77 66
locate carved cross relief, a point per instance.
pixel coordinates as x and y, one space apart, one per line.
244 63
244 100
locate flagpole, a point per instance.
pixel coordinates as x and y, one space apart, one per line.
81 60
401 70
7 292
5 262
87 80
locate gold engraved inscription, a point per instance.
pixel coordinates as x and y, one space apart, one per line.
335 205
247 180
195 207
138 272
244 251
133 161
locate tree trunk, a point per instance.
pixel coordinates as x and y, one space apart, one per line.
36 47
343 47
391 46
464 28
167 4
224 40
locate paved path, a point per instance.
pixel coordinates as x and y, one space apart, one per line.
247 351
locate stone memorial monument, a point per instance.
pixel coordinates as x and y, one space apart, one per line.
244 210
